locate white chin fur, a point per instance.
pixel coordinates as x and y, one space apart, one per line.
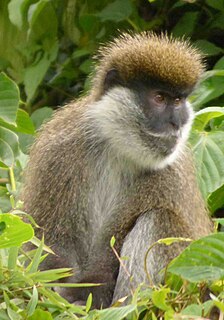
111 117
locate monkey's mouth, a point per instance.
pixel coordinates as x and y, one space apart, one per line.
169 144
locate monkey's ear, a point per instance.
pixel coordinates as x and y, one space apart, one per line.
112 79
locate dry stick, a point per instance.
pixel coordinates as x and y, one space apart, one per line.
124 267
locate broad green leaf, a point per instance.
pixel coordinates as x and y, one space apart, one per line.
9 99
17 11
6 154
71 30
11 139
79 53
35 10
208 48
194 310
88 22
216 4
35 73
219 64
186 24
12 259
3 315
210 89
116 11
16 232
203 116
216 199
24 123
114 313
202 260
2 227
218 22
40 315
159 298
208 148
43 11
25 142
5 205
41 115
86 66
12 40
13 315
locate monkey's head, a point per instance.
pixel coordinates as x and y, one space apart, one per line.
141 87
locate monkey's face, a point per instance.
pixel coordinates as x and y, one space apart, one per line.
164 113
147 122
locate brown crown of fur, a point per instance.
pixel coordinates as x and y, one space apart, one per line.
161 57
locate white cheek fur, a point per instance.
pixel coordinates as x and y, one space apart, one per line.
113 118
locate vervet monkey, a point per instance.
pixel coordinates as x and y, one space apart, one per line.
115 163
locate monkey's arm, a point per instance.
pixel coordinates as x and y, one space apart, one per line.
150 227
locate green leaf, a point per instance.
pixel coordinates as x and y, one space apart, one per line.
33 302
6 154
33 266
16 232
12 314
12 259
203 116
209 89
203 260
11 139
41 115
216 4
116 11
35 73
171 240
17 11
208 48
159 298
208 148
25 141
216 199
89 302
113 313
2 227
186 24
51 275
193 310
9 99
41 315
42 11
24 123
86 66
35 10
112 241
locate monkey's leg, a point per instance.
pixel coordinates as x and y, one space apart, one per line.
149 228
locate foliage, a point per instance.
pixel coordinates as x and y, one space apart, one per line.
45 56
25 291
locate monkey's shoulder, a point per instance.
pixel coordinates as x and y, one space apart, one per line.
174 184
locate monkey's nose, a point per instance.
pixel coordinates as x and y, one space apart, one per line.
174 122
175 125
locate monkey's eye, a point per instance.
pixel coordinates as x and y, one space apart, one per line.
177 101
159 98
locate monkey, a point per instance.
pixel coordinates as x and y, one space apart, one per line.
117 163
